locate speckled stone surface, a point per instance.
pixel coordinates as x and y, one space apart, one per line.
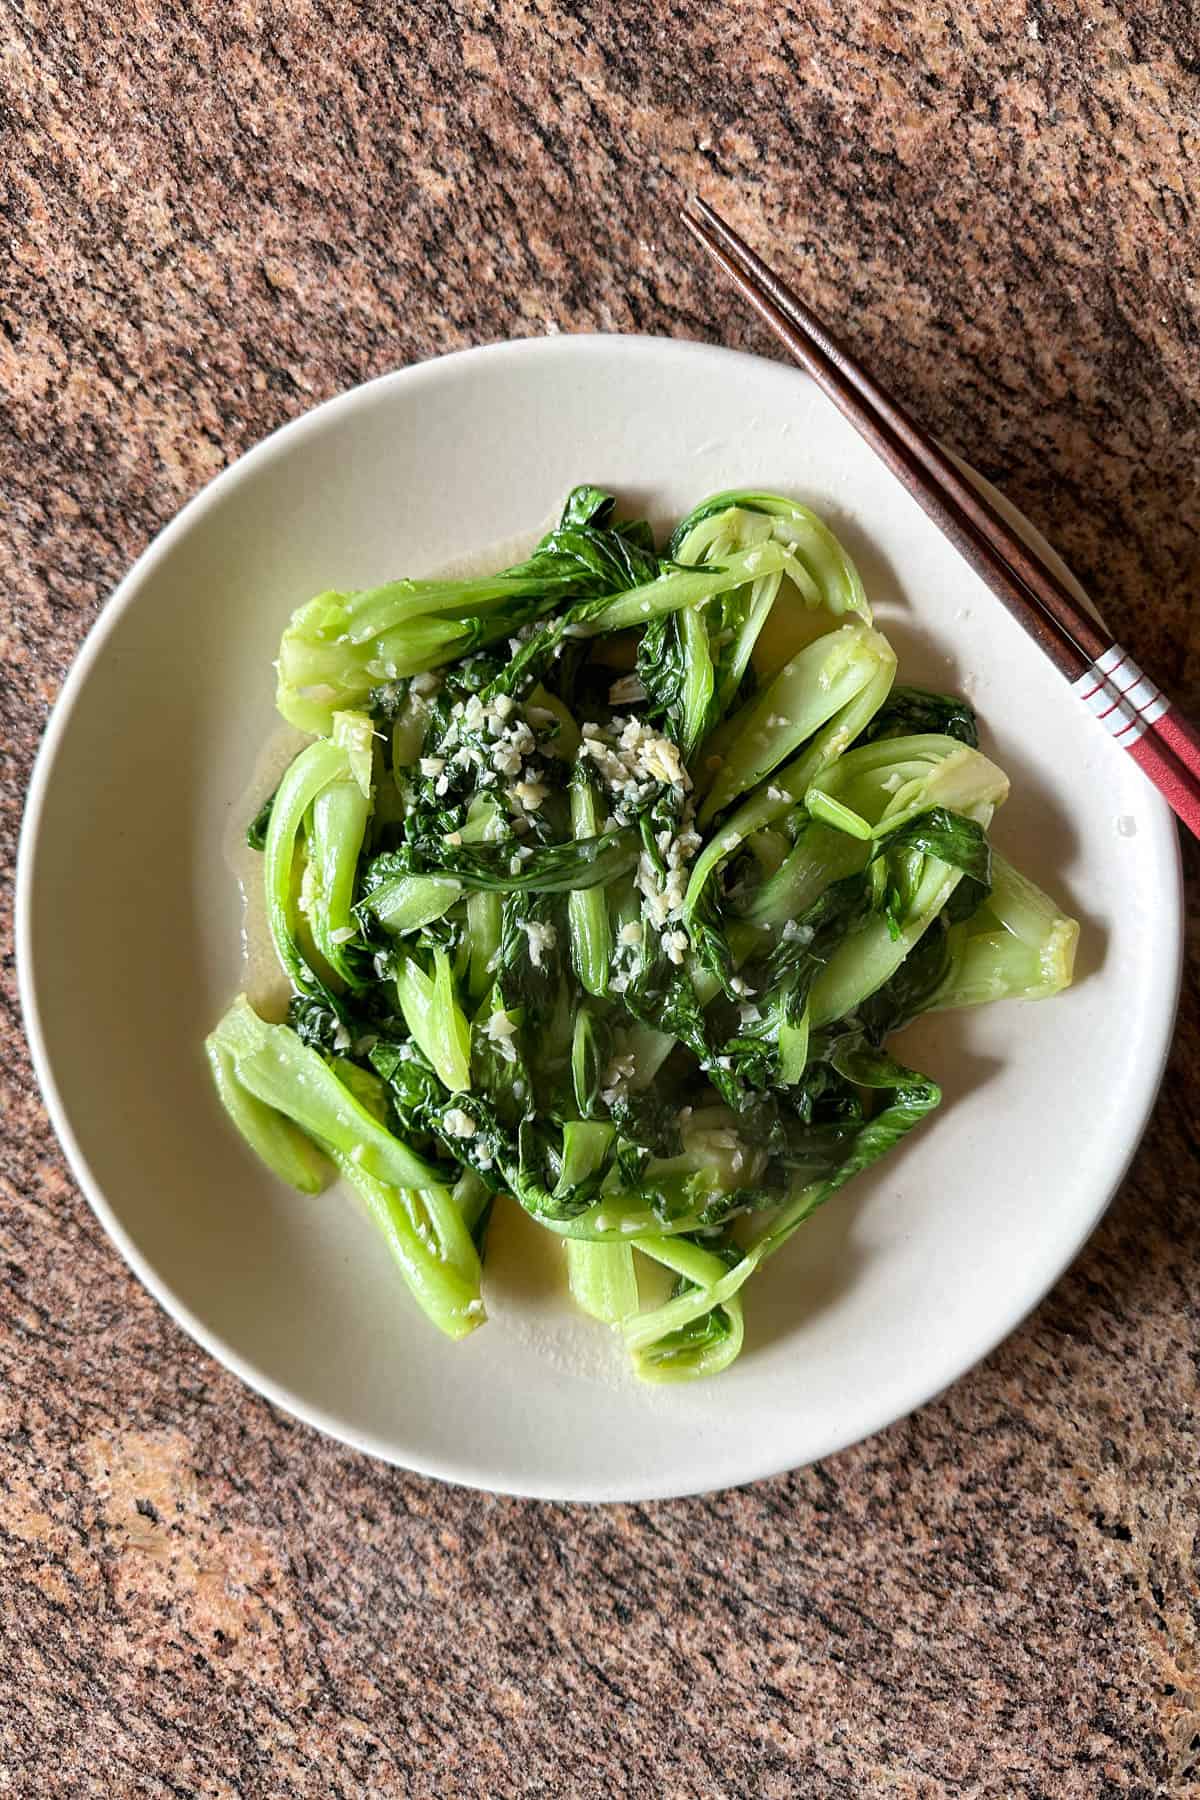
218 214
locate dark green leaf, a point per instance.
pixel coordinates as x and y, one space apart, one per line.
314 1022
586 505
952 839
661 669
905 996
650 1119
911 711
256 830
548 869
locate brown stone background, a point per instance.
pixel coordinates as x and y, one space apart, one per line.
215 215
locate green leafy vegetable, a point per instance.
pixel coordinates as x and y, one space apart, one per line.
338 647
270 1063
550 869
908 711
603 1280
600 891
1015 945
284 1148
431 1244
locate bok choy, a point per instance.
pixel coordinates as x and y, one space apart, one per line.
600 891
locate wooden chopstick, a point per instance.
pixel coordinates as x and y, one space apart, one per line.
1041 582
1136 713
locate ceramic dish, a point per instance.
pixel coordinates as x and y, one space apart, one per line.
128 927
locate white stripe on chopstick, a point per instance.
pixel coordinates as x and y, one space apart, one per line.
1120 696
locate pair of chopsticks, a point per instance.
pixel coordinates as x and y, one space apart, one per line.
1129 704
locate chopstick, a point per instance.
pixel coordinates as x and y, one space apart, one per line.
1132 708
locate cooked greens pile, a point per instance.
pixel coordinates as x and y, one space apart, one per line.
600 889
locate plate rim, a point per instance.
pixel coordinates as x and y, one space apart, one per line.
460 1471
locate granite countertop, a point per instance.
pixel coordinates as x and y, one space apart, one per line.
216 216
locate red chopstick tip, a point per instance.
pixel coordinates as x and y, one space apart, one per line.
1174 781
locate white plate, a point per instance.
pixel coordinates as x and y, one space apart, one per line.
128 925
